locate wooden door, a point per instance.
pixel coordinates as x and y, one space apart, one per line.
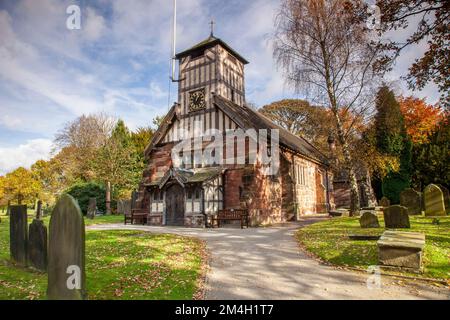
175 205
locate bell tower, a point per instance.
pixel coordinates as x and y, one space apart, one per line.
210 66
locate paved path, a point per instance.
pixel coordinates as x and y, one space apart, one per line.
266 263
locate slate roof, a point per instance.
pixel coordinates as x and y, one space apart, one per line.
186 176
247 118
209 43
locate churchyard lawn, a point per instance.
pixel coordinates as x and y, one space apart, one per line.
119 265
328 240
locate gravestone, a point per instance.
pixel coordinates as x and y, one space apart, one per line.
8 208
37 245
412 200
401 249
446 197
18 234
120 207
92 208
396 217
369 220
39 210
127 207
385 202
434 201
66 252
134 198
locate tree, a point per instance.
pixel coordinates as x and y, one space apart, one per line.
298 117
392 139
325 52
2 191
49 175
421 118
21 185
117 162
431 160
157 121
433 26
79 141
86 190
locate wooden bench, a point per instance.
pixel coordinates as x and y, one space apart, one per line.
232 215
137 215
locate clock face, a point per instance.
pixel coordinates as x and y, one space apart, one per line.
197 100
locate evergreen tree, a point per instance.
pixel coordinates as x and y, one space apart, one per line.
393 140
432 159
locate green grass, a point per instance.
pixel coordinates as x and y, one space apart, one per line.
119 265
329 241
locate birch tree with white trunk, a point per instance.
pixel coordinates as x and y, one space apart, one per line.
326 52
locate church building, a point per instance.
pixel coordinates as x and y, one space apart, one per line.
211 93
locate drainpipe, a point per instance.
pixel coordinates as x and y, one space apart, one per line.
294 188
203 207
328 190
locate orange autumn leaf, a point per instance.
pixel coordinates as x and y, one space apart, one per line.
420 118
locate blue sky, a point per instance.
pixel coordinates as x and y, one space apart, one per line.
118 63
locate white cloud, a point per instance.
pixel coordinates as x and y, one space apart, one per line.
24 155
9 121
94 26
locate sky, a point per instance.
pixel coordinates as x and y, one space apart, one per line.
118 63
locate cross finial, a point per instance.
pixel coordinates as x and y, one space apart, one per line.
212 23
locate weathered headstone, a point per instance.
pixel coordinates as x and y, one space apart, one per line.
369 220
39 210
401 249
396 217
434 201
446 193
37 245
66 252
8 208
92 208
412 200
120 207
127 207
134 198
18 234
385 202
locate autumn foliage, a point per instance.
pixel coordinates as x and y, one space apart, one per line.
420 118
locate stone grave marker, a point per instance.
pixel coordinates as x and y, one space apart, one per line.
18 234
369 220
434 201
396 217
39 210
66 252
412 200
385 202
127 207
119 207
401 249
134 198
92 208
37 245
446 193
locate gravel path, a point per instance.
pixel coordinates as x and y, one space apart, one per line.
266 263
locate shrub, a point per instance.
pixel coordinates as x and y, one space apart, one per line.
84 191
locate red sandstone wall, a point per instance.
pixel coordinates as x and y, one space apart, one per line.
341 194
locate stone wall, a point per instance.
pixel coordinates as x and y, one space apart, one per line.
341 194
307 200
